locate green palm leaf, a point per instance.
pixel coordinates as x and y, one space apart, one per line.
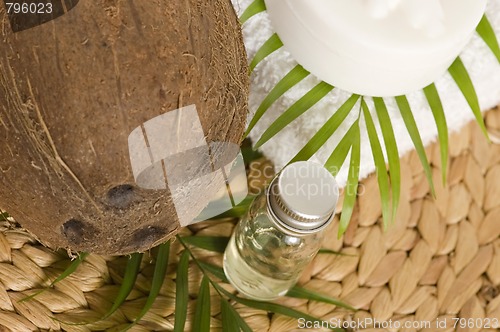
239 210
326 131
411 126
487 33
256 7
462 78
215 270
297 292
351 189
294 76
66 273
332 252
129 278
3 216
302 105
231 320
71 268
378 158
339 155
271 45
158 278
248 153
181 292
434 101
201 321
392 152
271 307
302 293
210 243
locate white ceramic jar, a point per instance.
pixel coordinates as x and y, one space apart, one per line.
376 47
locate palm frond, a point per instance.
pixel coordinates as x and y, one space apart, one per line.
3 216
351 189
256 7
248 153
181 292
378 158
297 292
332 252
239 210
210 243
392 152
271 307
303 293
326 131
436 106
411 126
231 319
462 78
129 278
486 32
158 279
66 273
297 109
273 44
292 78
71 268
339 155
218 272
201 321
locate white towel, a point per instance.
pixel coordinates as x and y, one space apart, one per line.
481 64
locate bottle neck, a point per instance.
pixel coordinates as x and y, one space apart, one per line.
289 221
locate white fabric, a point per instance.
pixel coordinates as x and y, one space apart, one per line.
481 64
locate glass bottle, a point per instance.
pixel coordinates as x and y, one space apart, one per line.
282 231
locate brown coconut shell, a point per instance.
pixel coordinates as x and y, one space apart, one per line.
73 89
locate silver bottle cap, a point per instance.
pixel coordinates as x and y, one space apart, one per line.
303 197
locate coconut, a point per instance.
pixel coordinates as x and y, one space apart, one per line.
74 88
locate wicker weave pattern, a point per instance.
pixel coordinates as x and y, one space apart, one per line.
441 259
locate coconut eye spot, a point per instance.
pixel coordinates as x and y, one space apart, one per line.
73 230
121 196
148 234
76 231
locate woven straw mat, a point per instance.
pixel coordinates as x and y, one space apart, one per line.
440 260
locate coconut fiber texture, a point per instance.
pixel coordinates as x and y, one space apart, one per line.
441 259
73 89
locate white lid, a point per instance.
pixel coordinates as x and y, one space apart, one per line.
304 196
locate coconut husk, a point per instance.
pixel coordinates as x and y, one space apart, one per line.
74 88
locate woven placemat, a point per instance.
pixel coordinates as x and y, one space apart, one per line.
439 261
